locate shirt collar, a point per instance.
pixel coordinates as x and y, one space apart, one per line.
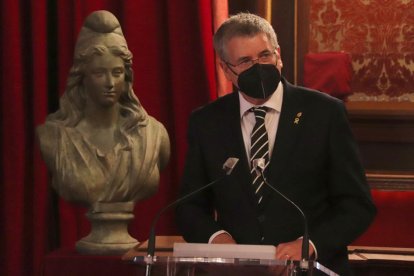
274 102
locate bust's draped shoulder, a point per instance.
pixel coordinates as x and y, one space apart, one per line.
81 173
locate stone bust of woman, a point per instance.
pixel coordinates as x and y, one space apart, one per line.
101 146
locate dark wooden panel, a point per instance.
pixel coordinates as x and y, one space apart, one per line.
379 156
385 135
283 16
393 261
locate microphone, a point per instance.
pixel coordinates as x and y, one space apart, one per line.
228 167
259 165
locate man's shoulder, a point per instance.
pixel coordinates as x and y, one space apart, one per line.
310 93
217 107
313 98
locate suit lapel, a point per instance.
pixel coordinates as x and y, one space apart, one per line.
235 145
286 136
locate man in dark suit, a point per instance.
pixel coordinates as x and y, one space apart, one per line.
310 156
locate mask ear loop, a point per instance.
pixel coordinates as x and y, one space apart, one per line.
229 66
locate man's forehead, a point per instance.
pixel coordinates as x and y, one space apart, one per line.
247 45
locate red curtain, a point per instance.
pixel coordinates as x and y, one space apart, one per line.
174 67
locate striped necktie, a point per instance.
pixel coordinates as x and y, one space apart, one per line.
259 149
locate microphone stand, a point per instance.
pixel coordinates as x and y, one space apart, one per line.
259 164
227 167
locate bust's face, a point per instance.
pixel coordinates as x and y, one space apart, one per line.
104 79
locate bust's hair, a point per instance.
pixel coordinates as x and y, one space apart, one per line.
73 101
242 24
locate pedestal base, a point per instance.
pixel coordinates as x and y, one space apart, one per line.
91 248
109 234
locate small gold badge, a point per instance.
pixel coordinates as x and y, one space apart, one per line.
297 118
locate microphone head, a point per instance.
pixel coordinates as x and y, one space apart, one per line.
229 165
259 165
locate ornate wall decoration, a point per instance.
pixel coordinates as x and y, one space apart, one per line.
379 35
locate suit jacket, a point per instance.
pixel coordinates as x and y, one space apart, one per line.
314 162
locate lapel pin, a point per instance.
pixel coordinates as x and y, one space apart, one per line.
297 118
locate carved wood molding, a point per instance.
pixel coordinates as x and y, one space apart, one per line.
381 110
389 122
403 181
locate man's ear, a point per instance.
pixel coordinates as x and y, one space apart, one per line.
223 65
226 70
279 63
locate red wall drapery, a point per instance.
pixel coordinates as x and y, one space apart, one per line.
23 191
174 69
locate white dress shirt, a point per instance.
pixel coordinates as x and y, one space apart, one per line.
248 120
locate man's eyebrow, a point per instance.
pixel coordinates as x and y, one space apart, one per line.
240 59
265 51
243 58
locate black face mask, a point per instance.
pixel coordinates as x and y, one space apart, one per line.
259 81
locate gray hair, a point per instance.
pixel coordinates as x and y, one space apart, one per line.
242 24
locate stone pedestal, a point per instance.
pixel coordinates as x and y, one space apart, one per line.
109 234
